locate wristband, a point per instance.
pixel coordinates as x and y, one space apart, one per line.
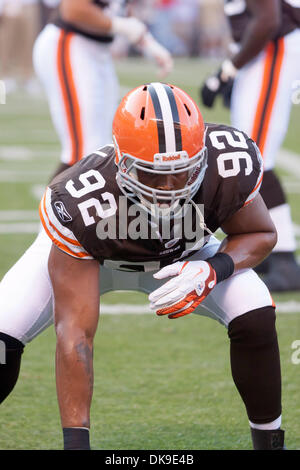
222 264
76 439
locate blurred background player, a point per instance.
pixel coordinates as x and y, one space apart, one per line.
48 10
265 61
18 30
72 58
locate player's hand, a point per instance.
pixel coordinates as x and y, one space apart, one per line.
132 28
219 84
152 49
193 281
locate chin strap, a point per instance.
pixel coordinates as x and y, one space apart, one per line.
201 218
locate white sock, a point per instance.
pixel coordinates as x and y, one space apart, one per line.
267 426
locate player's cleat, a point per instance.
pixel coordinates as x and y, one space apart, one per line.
283 274
267 439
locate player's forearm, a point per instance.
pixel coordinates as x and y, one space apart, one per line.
74 379
248 250
258 34
86 15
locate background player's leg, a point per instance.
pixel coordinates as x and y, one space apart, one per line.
97 107
265 118
283 271
82 104
49 54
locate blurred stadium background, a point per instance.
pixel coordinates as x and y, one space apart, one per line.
158 384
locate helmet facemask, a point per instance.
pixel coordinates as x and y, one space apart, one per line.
159 202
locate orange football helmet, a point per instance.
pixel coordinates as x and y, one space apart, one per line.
158 129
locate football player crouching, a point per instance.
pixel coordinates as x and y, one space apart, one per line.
164 161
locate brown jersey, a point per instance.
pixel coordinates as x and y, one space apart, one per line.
86 215
239 15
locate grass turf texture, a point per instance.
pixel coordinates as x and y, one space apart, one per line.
159 384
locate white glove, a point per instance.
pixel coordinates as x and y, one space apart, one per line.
181 295
130 27
228 70
152 49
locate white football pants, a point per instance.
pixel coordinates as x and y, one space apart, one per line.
262 95
82 89
26 303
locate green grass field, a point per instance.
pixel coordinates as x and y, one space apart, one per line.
158 384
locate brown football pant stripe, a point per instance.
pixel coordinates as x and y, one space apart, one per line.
269 88
69 94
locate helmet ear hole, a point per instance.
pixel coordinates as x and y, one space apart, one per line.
187 109
142 115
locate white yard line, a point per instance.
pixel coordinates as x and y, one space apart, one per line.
127 309
14 216
290 306
289 161
297 230
11 153
291 187
16 228
15 153
23 176
37 190
37 136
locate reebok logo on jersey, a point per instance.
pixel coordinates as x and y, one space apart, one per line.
62 211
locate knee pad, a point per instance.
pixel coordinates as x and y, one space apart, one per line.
11 350
254 328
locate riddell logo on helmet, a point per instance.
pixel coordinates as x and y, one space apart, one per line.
170 158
